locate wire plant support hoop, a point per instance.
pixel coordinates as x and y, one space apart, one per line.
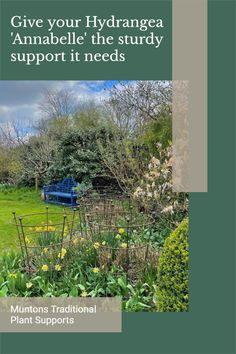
44 237
118 238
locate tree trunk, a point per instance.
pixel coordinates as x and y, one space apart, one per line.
36 183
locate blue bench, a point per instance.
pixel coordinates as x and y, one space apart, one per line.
61 193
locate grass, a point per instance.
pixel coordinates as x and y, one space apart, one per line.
22 201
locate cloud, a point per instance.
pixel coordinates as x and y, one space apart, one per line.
19 99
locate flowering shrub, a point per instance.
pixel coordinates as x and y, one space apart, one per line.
155 191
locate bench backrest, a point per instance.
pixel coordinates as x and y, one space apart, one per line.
66 185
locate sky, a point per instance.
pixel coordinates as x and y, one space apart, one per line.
19 100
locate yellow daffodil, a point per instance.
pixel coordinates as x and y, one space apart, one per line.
62 253
12 275
29 285
57 267
118 237
38 229
96 245
121 231
45 250
95 270
82 239
124 245
44 268
84 294
50 228
75 241
27 241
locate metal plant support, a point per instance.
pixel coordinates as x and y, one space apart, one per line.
113 226
35 238
118 238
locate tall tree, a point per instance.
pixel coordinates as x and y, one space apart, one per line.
135 103
57 104
37 156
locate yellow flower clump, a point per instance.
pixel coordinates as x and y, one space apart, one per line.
96 245
44 268
121 231
27 240
12 275
84 294
62 254
96 270
57 267
49 228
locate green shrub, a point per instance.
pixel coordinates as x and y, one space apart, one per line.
172 290
78 156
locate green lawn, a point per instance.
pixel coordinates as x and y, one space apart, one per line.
22 201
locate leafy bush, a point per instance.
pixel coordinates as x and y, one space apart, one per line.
172 290
78 156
